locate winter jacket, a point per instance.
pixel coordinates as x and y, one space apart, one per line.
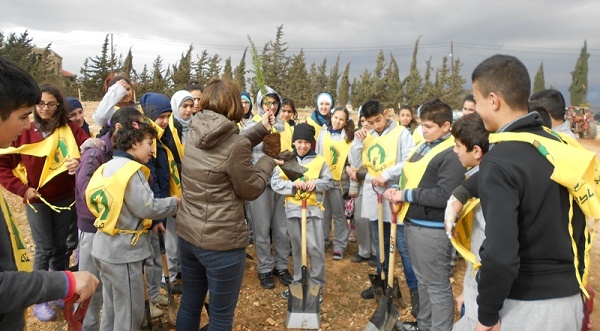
217 176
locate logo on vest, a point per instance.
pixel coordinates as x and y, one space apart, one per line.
376 157
335 155
60 153
101 200
175 173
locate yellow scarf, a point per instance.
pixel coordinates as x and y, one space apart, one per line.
379 153
413 171
313 172
335 154
578 170
180 147
315 125
464 230
20 252
104 197
174 178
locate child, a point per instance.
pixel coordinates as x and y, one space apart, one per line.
76 115
320 116
195 90
382 150
48 182
406 118
119 195
118 94
432 171
182 103
316 181
471 144
288 113
334 144
94 153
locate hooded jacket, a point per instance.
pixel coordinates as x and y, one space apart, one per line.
218 176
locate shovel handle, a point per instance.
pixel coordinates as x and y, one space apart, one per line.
380 228
303 232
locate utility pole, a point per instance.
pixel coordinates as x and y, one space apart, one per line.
452 67
112 54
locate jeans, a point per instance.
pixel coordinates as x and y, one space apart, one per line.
409 274
221 273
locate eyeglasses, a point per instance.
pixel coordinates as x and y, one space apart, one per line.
271 104
51 105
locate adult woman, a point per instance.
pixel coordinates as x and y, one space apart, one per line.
321 115
218 176
48 182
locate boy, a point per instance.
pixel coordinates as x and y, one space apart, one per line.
18 94
432 172
382 150
527 280
315 182
471 139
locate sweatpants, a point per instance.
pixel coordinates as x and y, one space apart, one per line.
49 231
335 211
314 245
364 235
153 265
123 294
268 214
91 322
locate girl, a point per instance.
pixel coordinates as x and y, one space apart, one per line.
118 94
76 116
119 195
321 115
94 153
48 193
182 104
288 111
406 118
334 144
196 90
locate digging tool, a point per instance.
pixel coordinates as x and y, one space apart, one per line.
303 302
378 280
165 265
387 312
148 315
74 316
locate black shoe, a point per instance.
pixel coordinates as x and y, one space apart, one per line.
414 302
176 288
358 258
266 280
286 294
373 261
367 294
284 276
407 326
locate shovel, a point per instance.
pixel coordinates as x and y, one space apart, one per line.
385 316
148 316
378 280
303 302
165 265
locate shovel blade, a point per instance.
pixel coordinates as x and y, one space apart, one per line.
385 316
378 286
303 307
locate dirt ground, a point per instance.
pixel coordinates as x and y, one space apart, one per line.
260 309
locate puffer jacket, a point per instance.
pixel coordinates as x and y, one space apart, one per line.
217 177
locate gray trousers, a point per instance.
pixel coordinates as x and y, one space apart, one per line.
154 271
172 249
430 253
123 293
268 213
364 236
91 322
49 231
314 245
335 210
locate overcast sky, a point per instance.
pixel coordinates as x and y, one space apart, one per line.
536 31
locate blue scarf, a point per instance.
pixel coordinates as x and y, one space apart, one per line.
317 117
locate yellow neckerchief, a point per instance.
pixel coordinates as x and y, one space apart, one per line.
285 136
104 197
180 147
413 171
335 153
578 170
379 153
57 147
417 135
313 172
174 178
315 125
19 250
464 230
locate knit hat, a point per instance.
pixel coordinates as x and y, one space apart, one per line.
73 103
246 97
303 131
155 104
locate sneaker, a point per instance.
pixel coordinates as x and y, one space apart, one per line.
284 276
367 294
286 294
44 312
156 312
320 296
266 280
338 256
160 300
352 236
407 326
358 258
58 303
373 261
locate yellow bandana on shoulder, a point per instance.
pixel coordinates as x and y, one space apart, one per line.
335 153
578 170
174 179
379 153
20 252
464 231
315 125
413 171
313 172
104 197
180 147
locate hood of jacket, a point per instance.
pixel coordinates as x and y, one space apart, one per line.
209 129
259 98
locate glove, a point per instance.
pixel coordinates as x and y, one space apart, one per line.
450 216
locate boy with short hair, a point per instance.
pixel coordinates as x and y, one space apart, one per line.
431 172
315 182
528 279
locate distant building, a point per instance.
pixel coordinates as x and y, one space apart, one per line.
54 62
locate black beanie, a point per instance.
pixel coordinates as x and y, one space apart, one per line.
303 131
